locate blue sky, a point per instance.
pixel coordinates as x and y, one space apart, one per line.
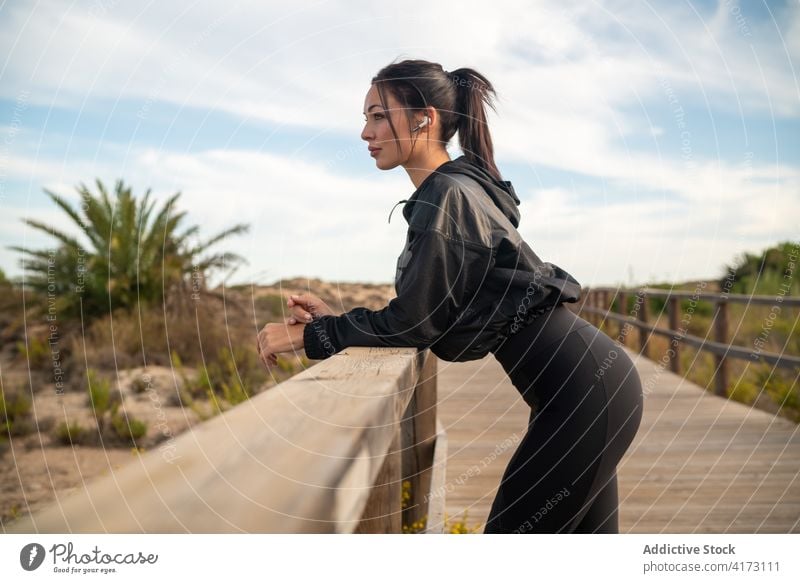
647 141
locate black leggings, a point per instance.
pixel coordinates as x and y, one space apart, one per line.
586 406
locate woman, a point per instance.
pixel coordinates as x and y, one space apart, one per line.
468 285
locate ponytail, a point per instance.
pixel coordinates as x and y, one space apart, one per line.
473 90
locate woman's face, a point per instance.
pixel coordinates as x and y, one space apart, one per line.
378 134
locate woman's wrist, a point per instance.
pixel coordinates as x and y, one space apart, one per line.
316 341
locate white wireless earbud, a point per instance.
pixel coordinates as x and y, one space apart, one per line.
422 124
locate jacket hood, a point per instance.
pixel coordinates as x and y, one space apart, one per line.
500 191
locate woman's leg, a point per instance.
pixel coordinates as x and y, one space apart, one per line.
625 406
602 515
562 478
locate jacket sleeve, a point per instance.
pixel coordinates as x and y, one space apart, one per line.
437 284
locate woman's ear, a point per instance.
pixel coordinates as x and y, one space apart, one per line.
433 115
431 120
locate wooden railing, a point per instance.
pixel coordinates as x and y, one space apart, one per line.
598 302
325 451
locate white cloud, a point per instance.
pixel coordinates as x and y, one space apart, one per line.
264 59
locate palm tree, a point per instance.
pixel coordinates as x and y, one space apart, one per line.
132 256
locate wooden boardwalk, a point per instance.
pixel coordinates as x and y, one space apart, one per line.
699 464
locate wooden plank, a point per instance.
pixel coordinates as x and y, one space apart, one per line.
382 513
437 495
419 440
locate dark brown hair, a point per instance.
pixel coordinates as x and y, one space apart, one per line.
458 96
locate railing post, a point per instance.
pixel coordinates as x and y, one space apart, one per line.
419 442
622 306
382 514
605 307
721 336
585 299
673 310
586 294
643 333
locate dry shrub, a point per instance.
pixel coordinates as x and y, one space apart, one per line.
150 334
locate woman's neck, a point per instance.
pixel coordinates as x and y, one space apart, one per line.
420 170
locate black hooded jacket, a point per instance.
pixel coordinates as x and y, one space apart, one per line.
465 280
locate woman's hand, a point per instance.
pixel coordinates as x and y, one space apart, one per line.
275 338
305 307
288 336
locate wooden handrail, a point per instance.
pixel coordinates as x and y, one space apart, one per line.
325 451
597 305
791 301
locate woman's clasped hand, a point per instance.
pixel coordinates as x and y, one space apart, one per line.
287 336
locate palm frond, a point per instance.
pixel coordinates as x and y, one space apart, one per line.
239 229
52 231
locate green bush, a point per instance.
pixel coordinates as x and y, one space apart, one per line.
763 274
103 401
785 394
129 429
744 391
101 398
782 391
223 381
15 408
226 385
71 433
105 404
36 352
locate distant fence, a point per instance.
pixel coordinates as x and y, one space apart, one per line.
597 304
325 451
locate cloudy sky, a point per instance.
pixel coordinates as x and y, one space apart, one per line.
648 141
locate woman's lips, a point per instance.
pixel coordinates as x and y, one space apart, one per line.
375 151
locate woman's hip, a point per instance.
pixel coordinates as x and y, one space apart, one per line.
560 357
540 334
